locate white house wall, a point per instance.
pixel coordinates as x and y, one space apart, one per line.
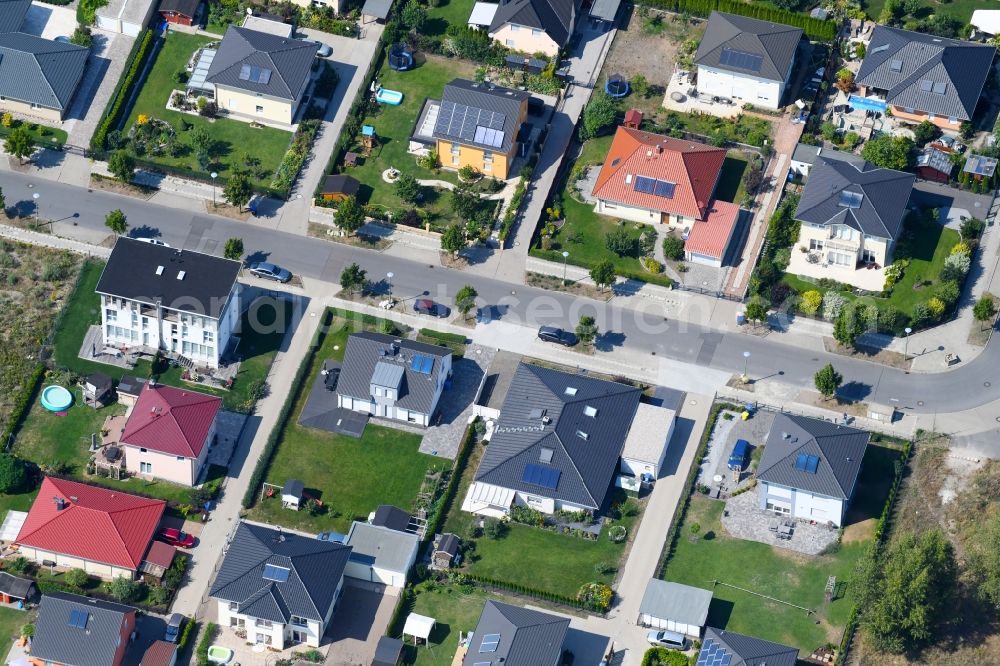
375 574
752 89
804 505
692 630
624 212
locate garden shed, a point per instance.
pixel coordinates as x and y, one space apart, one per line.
675 607
291 494
375 10
646 445
97 389
388 652
338 187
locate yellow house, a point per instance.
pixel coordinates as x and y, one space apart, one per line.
478 125
257 75
534 26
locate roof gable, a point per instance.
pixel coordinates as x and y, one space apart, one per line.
288 62
555 17
40 71
516 636
171 420
772 46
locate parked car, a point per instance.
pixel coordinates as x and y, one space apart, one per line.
667 639
428 307
738 458
557 335
174 626
175 537
270 271
324 49
153 241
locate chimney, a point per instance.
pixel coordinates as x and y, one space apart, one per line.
59 502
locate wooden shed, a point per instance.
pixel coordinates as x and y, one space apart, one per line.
339 187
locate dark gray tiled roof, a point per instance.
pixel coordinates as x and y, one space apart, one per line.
364 353
289 60
586 466
884 194
40 71
12 13
13 586
449 544
808 154
95 645
773 42
392 517
467 104
747 650
960 67
840 450
186 7
677 602
388 651
131 273
555 17
315 570
526 637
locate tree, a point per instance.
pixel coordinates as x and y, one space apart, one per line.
984 309
465 299
598 115
890 152
77 578
123 589
121 164
972 228
238 190
603 273
350 215
407 188
464 202
116 221
833 303
640 85
621 242
756 310
586 329
233 249
845 81
925 132
413 16
353 278
453 239
19 143
12 474
956 266
828 131
811 302
82 37
848 326
202 141
673 247
827 381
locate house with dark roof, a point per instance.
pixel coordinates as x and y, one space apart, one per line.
809 469
557 444
38 77
658 179
168 433
851 216
726 647
924 77
508 634
280 587
257 75
81 631
179 302
534 26
478 125
107 533
179 12
392 378
339 187
746 59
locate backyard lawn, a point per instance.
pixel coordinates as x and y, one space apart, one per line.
777 573
960 9
454 611
448 12
11 621
730 185
233 138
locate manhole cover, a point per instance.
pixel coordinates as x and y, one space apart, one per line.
920 403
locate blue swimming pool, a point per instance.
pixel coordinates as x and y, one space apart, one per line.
56 398
866 103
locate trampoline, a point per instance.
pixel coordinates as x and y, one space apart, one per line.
400 57
56 398
616 86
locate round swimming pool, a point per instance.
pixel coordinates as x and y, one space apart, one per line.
56 398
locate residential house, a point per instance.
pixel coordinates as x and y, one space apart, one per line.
658 179
726 647
674 607
934 163
556 445
180 302
534 26
478 125
392 378
280 587
804 157
851 217
509 634
746 59
71 630
38 77
380 554
160 653
338 187
169 432
925 77
809 469
107 533
179 12
261 76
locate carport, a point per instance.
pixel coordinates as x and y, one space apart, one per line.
376 10
646 444
675 607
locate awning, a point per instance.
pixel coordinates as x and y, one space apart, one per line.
12 525
490 495
418 626
605 10
376 8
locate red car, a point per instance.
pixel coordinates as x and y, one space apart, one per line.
175 537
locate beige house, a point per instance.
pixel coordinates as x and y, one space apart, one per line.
850 218
534 26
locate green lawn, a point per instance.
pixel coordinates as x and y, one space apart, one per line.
730 186
778 573
233 137
454 611
11 621
351 476
960 9
43 135
448 12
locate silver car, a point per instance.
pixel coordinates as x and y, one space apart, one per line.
174 626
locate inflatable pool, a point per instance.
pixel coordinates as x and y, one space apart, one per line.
391 97
56 398
218 654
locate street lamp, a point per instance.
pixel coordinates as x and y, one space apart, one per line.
746 365
35 196
214 175
388 277
906 343
565 255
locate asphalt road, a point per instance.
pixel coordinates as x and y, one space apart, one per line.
635 324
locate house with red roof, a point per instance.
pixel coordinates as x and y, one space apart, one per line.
658 179
169 432
107 533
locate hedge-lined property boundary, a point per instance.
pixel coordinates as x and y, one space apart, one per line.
448 498
524 590
815 29
113 113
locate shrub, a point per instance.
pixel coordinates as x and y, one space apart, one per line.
956 266
124 589
494 528
116 108
961 247
833 303
28 630
972 228
77 578
597 595
936 307
207 638
661 656
673 247
811 302
12 474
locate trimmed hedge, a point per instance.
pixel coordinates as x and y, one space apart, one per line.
815 29
444 505
22 403
399 613
455 338
526 591
115 110
515 206
201 653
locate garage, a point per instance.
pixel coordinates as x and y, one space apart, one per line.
675 607
646 444
127 17
380 555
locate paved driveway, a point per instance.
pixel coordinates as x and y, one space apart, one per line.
361 618
49 21
104 68
954 203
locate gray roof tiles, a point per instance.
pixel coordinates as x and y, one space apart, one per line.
884 195
555 17
808 154
585 449
747 650
840 450
12 13
40 71
957 69
289 61
773 42
466 105
315 569
677 602
526 637
55 641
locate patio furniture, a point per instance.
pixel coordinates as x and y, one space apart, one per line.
785 531
773 526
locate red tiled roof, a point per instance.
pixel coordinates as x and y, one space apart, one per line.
633 116
158 654
693 166
95 524
711 236
160 554
171 420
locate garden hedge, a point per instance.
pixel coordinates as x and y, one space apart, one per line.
815 29
436 522
115 110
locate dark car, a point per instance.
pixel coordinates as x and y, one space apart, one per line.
175 537
557 335
269 271
738 458
428 307
174 626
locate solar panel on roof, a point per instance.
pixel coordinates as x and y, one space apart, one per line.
664 189
713 654
245 73
421 364
644 184
264 77
926 85
78 619
490 643
544 477
741 60
275 573
850 199
805 462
